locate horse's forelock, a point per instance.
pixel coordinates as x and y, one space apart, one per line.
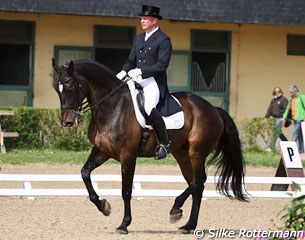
63 68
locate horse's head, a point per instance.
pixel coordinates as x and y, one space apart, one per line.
71 93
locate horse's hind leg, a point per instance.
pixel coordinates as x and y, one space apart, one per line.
191 163
197 187
176 211
197 190
181 155
95 159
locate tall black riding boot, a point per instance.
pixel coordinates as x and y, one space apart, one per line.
163 147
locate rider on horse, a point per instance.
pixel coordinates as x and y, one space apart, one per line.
147 64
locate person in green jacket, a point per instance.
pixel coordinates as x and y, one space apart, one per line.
295 111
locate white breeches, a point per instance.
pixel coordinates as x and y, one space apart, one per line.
151 93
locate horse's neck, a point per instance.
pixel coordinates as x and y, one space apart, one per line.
113 105
104 91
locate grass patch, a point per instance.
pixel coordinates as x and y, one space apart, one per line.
63 156
252 158
262 158
44 156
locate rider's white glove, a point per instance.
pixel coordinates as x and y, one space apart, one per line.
121 75
135 73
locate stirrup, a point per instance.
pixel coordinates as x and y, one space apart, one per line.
162 151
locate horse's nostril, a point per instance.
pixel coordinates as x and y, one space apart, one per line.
67 124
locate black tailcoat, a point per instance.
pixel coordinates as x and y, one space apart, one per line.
152 57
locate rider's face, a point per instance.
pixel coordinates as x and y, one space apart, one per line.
148 23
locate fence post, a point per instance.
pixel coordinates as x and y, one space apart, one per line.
2 146
26 185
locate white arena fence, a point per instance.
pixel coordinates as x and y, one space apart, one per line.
26 189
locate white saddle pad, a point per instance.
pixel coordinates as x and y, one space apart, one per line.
175 121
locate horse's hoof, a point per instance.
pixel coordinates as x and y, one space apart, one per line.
175 215
121 230
106 207
184 230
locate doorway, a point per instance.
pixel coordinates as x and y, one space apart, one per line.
210 66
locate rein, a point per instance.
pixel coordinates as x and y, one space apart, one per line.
83 109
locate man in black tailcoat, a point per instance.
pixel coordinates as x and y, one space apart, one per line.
147 64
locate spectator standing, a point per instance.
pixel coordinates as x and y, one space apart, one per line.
296 109
276 109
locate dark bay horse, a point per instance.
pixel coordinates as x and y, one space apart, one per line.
115 133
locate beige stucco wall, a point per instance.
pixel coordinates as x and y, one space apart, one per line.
258 59
262 63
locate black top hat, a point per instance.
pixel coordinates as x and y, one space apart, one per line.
150 11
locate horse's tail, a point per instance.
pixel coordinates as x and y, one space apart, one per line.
229 160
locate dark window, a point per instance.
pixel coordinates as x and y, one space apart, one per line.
210 39
209 57
15 31
210 60
112 36
16 62
296 45
112 58
209 72
14 67
112 45
16 51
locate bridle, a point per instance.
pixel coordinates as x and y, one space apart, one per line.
82 107
78 86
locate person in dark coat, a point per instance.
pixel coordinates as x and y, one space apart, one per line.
147 64
276 109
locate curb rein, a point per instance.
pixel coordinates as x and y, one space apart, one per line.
85 106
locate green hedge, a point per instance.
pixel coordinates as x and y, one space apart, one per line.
42 128
257 132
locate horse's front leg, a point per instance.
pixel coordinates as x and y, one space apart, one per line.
95 159
184 162
128 169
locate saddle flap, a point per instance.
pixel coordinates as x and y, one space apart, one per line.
141 102
175 121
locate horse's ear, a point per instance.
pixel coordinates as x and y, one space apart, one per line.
71 68
55 66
